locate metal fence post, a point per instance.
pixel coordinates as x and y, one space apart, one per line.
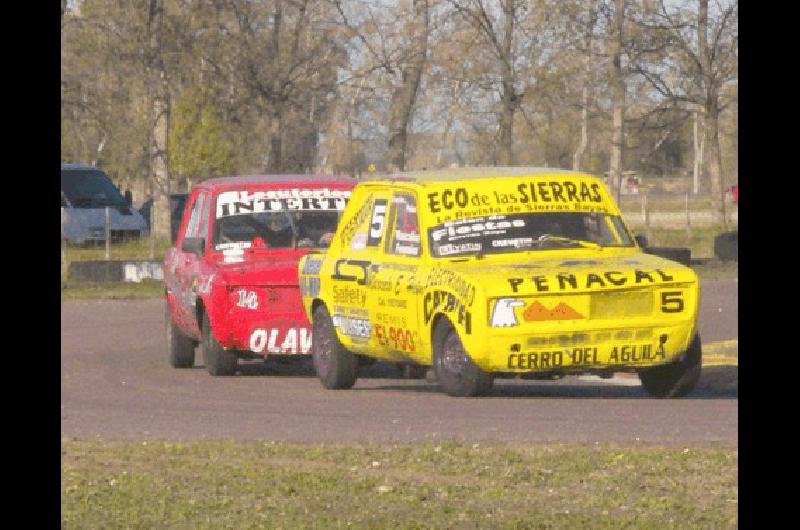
646 214
108 232
688 223
63 245
152 230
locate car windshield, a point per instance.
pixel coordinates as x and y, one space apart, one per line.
293 222
90 189
505 234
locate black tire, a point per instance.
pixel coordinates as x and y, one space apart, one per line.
411 370
336 367
363 360
726 246
675 380
457 375
218 361
678 254
181 347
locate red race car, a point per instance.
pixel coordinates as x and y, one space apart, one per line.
231 280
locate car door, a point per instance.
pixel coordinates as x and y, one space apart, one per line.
187 264
353 296
394 282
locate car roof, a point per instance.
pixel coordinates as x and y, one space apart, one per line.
294 180
434 176
78 167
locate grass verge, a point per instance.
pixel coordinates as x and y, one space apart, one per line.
74 290
450 485
137 249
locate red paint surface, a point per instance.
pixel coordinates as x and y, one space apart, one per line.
196 284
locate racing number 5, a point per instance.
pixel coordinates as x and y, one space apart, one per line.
377 223
671 301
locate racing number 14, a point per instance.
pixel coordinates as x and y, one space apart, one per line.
671 301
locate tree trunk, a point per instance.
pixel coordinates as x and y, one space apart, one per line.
508 97
159 94
405 94
577 157
275 164
714 159
618 98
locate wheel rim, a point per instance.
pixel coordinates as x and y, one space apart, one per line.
323 346
454 358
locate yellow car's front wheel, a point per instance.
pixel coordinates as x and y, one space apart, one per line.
457 374
675 379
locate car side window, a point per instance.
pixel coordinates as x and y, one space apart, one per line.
205 208
404 238
363 230
194 218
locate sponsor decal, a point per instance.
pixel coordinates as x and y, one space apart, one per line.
360 279
309 286
541 195
359 242
398 338
503 314
441 277
349 228
204 284
587 356
437 300
312 265
231 203
351 311
517 242
636 353
390 319
455 230
569 281
450 249
296 340
537 312
348 295
352 327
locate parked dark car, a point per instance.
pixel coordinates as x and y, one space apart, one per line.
85 193
177 203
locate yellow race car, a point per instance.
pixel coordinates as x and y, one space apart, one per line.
493 271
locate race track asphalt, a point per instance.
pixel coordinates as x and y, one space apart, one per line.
116 384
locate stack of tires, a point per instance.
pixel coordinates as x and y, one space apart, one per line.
726 246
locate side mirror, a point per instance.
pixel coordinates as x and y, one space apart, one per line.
641 240
193 245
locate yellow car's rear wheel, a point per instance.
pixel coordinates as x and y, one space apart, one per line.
336 367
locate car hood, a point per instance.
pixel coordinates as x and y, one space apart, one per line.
497 277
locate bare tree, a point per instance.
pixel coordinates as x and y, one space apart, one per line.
159 106
617 80
703 60
588 70
500 42
405 94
